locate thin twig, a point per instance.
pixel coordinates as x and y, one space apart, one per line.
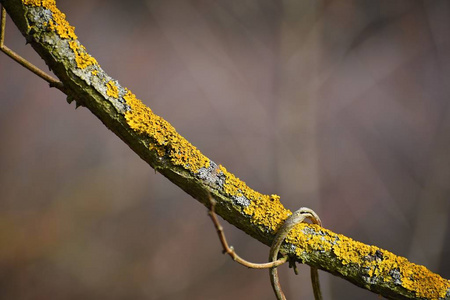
315 283
22 61
297 217
3 25
229 249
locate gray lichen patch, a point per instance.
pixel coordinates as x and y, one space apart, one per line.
39 16
241 200
212 175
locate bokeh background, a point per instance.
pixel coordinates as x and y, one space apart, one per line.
341 106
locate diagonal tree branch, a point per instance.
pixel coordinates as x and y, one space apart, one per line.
158 143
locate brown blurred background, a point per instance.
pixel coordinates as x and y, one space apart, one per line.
341 106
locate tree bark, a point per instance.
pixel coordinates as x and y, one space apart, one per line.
156 141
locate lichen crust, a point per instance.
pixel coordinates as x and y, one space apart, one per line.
265 210
64 30
378 264
111 89
165 140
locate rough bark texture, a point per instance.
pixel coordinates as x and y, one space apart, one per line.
158 143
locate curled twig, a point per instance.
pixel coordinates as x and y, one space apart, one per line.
297 217
229 249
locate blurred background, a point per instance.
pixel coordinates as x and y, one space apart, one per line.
340 106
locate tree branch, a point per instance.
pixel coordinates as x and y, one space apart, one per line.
158 143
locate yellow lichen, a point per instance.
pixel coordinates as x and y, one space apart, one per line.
112 90
62 27
59 23
82 58
265 210
165 139
414 277
376 261
44 3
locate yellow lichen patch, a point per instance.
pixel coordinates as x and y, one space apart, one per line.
378 262
82 58
44 3
265 210
307 243
59 23
416 278
112 90
62 27
166 140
